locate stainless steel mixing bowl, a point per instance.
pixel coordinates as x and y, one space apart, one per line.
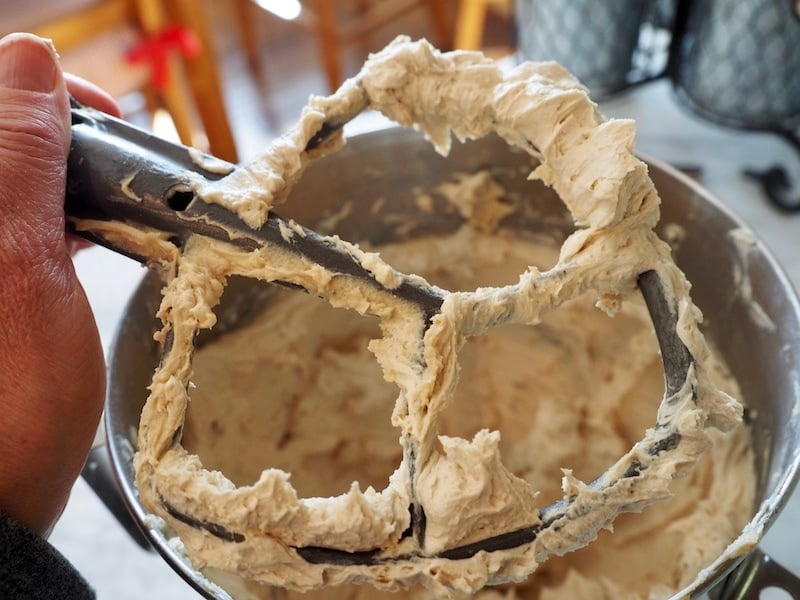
387 165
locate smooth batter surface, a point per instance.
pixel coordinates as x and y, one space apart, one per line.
417 526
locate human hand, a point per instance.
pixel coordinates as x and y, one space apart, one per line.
52 373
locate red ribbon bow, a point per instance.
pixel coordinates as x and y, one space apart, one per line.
154 49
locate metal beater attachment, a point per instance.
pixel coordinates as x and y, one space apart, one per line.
120 173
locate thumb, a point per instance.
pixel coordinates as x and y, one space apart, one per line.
34 142
51 361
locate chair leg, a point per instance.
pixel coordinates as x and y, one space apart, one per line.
470 23
202 73
245 15
193 82
152 17
441 23
328 41
175 101
362 6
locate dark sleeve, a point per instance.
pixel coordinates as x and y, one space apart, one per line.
31 569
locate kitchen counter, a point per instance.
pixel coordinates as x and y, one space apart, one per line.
89 536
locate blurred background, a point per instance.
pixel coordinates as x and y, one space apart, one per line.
714 86
228 75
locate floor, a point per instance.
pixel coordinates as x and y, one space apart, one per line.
264 106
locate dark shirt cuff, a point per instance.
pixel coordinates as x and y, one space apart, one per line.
31 569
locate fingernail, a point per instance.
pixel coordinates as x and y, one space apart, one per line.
28 62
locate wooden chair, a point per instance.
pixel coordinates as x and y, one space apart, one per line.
471 21
191 94
339 23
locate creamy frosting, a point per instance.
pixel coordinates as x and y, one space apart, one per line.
446 492
577 390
